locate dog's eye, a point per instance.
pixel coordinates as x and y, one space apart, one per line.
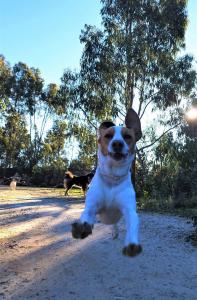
109 136
127 137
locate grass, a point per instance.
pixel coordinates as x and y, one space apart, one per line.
187 208
35 192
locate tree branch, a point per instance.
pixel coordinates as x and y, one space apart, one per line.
88 118
145 108
169 129
122 113
148 103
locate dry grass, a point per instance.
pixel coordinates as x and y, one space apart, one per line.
35 192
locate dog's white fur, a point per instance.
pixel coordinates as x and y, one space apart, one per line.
111 193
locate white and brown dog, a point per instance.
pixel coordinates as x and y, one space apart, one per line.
111 194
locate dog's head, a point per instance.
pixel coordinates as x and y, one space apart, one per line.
118 142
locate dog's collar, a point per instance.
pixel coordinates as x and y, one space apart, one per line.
112 179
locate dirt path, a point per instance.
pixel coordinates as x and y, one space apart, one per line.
40 260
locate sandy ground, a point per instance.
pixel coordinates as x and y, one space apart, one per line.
40 260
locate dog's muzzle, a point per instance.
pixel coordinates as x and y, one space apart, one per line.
117 150
117 146
117 155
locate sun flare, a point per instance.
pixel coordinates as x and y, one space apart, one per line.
192 114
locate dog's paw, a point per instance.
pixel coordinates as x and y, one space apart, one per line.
132 250
81 230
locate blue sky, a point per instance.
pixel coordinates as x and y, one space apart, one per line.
45 33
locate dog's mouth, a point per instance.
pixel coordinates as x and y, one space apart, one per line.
117 155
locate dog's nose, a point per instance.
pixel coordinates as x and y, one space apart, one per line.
117 145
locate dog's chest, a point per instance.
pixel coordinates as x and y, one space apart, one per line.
110 207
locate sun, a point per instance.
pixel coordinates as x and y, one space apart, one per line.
192 114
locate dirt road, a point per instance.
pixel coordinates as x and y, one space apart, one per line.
40 260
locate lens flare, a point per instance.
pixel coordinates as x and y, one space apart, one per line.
192 114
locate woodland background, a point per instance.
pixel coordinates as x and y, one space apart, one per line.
136 59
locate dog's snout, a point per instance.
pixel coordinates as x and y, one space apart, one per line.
117 145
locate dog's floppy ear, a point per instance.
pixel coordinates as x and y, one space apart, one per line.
132 120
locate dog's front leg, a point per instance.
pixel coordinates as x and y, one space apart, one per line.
83 228
132 247
127 204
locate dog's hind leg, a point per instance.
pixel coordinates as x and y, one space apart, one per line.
115 231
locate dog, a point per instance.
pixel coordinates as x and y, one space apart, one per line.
81 181
111 194
13 184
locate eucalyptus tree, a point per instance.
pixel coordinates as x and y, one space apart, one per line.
22 93
132 61
5 76
14 141
135 57
26 88
53 144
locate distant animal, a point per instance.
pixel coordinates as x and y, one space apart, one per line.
82 181
111 194
13 184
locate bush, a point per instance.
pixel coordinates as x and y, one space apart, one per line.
47 176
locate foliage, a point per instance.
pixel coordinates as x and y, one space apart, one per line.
50 175
172 173
14 141
26 106
53 145
5 75
132 61
87 147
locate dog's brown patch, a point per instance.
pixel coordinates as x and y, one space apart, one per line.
105 137
128 135
81 230
132 250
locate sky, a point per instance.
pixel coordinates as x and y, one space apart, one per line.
45 33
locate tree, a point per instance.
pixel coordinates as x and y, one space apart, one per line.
134 57
53 146
5 76
87 148
14 141
26 87
22 92
133 60
171 169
